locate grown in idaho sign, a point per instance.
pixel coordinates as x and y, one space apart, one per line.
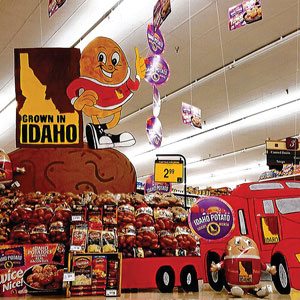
45 115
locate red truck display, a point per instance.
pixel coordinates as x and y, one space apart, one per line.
163 273
269 213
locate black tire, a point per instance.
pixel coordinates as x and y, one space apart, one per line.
188 279
165 279
281 278
215 279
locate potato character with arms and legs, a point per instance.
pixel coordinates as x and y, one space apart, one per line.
103 88
243 266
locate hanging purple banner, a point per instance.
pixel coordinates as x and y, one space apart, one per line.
155 40
154 131
157 70
161 10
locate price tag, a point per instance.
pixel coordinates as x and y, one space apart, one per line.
75 248
76 218
69 276
110 293
168 171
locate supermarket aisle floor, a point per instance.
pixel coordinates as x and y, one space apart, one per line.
205 294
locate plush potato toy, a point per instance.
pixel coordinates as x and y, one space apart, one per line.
243 266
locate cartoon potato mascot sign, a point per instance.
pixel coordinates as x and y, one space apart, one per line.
243 267
103 88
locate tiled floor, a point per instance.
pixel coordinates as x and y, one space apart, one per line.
205 294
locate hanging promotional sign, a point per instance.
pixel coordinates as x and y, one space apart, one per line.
161 10
156 102
283 152
246 12
211 218
54 5
154 131
45 116
151 186
191 115
157 70
155 40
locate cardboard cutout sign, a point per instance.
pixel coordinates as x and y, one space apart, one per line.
155 40
151 186
45 117
211 218
54 5
154 131
103 87
156 102
191 115
246 12
157 70
161 10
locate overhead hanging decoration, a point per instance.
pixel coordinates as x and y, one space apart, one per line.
45 116
54 5
157 69
154 131
156 102
102 89
191 115
156 41
161 10
246 12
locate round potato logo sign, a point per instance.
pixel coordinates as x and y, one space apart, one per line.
211 218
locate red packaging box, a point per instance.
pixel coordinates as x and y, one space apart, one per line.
36 269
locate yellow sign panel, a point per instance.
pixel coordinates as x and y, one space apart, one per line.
168 171
276 145
36 126
270 230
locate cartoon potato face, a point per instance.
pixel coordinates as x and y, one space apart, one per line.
241 245
104 61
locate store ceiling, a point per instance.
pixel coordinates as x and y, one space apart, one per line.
198 43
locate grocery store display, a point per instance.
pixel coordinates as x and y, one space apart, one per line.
287 170
92 227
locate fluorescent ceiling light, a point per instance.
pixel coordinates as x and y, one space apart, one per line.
228 173
119 25
8 117
7 94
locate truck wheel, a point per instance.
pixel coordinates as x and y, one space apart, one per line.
188 279
215 279
281 278
165 279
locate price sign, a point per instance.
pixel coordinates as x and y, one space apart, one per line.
110 293
75 248
76 218
168 171
69 276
